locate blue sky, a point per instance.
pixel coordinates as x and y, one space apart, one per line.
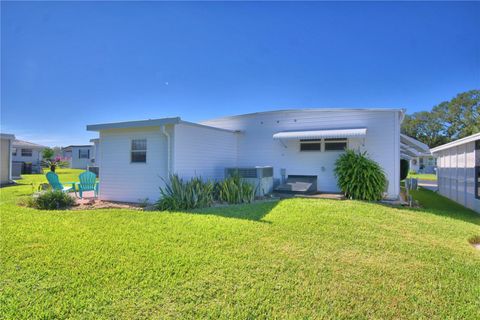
65 65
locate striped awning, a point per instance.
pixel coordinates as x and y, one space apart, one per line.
319 134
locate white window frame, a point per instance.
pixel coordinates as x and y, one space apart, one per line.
310 141
339 140
88 153
138 151
24 155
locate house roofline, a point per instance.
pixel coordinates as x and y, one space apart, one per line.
150 123
31 145
7 136
473 137
253 114
133 124
78 146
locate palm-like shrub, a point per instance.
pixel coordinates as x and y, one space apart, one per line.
235 190
359 177
183 195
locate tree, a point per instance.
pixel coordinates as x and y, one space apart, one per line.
48 153
448 121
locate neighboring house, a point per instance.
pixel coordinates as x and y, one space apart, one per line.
137 156
95 152
418 154
25 153
79 157
459 171
6 158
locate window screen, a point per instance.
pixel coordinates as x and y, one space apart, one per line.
14 151
335 144
310 145
477 182
83 153
139 150
26 152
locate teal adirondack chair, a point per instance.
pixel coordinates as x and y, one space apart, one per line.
88 182
56 185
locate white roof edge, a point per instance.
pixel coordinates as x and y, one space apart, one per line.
401 110
321 133
7 136
473 137
94 140
133 124
422 147
208 127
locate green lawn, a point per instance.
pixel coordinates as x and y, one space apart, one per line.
298 258
423 176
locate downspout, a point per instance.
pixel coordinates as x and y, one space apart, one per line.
169 150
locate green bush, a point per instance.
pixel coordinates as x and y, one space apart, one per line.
180 195
51 200
404 167
234 190
359 177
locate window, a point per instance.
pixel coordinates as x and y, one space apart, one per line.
310 145
477 182
335 144
139 150
84 153
26 152
14 151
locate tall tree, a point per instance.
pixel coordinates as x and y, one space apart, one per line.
448 121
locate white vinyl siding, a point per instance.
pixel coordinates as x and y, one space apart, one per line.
257 148
122 180
79 156
456 174
205 152
5 173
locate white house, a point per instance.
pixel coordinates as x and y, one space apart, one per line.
25 152
95 152
418 155
137 156
6 158
458 171
79 156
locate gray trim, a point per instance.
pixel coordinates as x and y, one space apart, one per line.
473 137
400 110
133 124
7 136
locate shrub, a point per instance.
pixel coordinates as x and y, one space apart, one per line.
180 195
360 177
234 190
50 200
404 167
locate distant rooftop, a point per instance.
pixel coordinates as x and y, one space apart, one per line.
26 144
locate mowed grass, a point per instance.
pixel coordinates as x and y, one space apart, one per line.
298 258
423 176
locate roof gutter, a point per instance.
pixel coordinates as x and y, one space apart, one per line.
169 149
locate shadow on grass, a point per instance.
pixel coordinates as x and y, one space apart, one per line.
439 205
254 211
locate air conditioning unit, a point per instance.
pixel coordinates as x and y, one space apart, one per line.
260 177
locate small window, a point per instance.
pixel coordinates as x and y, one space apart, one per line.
139 150
14 151
335 144
84 153
477 182
26 152
310 145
